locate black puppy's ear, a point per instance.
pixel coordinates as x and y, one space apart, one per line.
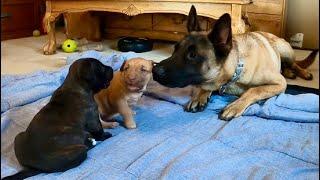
84 71
122 66
193 23
221 36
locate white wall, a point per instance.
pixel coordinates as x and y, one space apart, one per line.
303 16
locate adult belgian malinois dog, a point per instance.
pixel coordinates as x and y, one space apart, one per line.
247 65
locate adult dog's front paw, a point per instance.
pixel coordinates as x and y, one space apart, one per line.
196 106
199 103
233 110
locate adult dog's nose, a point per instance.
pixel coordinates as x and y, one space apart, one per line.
159 71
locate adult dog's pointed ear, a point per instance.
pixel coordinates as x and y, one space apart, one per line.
221 36
193 23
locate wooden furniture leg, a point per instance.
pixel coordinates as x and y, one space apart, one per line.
238 26
49 21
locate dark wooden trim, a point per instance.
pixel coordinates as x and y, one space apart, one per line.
16 34
15 2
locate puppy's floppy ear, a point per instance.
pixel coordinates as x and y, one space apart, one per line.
193 23
84 71
221 36
122 66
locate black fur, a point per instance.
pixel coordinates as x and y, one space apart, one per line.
183 67
193 23
57 138
221 36
23 174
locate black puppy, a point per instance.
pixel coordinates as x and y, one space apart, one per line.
62 132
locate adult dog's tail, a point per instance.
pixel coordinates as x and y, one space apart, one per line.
23 174
308 60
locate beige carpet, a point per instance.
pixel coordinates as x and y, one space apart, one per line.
20 56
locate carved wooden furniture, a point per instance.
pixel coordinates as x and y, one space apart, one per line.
207 8
264 15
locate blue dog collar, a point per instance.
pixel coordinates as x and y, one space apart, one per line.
235 76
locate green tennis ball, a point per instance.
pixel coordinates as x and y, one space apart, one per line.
69 46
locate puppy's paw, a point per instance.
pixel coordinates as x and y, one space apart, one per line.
89 142
114 124
93 141
109 125
130 124
195 106
233 110
104 136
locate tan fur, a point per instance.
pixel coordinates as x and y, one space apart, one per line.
217 54
125 90
261 78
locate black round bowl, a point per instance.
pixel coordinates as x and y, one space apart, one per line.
137 45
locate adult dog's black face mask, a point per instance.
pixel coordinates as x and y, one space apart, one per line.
183 67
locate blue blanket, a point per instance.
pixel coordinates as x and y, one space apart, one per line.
275 139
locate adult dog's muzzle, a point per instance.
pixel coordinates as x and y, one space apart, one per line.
158 71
